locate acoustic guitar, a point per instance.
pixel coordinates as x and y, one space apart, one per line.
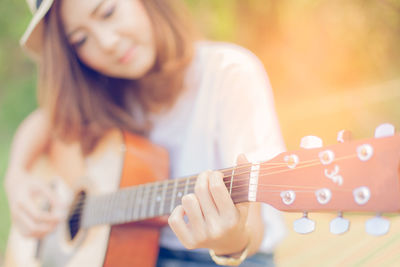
116 222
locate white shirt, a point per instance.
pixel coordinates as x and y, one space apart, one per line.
226 109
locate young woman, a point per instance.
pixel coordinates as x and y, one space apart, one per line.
134 65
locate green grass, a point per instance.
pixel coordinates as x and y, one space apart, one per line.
16 103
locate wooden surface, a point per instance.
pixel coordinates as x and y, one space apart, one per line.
354 248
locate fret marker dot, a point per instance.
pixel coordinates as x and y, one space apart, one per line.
158 199
179 194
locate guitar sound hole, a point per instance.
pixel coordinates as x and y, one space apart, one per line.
74 218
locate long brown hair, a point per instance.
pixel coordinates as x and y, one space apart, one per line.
83 104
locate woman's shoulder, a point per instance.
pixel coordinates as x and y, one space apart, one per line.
225 55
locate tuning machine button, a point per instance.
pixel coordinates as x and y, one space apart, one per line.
304 225
310 141
344 136
377 226
339 225
384 130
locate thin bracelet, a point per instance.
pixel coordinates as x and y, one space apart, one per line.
229 260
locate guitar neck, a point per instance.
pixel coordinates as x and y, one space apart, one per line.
361 175
160 198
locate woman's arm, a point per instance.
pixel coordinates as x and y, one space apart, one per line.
31 139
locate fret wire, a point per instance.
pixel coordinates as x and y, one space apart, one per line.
186 186
142 202
106 210
119 208
92 214
181 186
158 198
97 211
173 196
113 212
131 201
86 213
178 194
163 198
149 199
136 205
101 211
231 183
115 207
152 203
109 214
125 215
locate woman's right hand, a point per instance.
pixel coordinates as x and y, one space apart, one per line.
26 195
35 208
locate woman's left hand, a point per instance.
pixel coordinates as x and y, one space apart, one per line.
213 220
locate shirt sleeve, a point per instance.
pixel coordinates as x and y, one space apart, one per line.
247 123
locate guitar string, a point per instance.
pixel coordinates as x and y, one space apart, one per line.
181 187
171 184
191 183
245 179
168 211
262 186
245 194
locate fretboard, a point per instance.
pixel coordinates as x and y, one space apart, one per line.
160 198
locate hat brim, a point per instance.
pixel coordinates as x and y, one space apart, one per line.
32 39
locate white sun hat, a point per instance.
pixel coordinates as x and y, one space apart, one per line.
32 39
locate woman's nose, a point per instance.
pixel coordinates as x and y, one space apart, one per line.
107 40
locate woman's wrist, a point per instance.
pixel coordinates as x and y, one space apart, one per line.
235 258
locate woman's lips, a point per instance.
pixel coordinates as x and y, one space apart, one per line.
127 56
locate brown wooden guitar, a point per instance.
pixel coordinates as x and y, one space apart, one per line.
113 222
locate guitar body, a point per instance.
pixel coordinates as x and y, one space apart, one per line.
119 160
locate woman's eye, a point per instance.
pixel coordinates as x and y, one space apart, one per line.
80 42
109 12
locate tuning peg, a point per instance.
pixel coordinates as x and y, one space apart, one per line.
344 136
310 141
377 226
304 225
339 225
384 130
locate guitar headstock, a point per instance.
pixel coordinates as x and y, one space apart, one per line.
356 176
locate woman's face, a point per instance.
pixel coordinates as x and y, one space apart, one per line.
113 37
